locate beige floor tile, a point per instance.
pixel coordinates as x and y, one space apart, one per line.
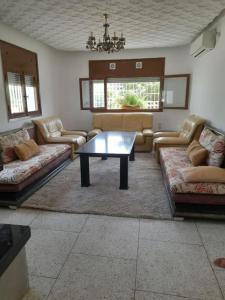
20 216
39 288
98 272
183 232
67 291
47 251
139 295
59 221
212 232
214 251
221 279
177 269
108 236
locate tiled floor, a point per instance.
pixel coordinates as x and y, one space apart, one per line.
80 257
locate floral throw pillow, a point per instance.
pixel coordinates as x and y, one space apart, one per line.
8 142
215 144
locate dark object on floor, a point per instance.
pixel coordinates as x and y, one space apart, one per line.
220 262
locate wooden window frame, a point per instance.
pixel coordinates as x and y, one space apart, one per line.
104 109
22 73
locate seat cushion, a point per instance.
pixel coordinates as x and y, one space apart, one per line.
17 171
175 159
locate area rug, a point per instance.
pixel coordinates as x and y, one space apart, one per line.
146 196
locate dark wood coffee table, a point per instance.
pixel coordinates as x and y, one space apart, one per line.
108 144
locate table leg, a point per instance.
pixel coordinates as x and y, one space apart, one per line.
84 170
132 154
124 172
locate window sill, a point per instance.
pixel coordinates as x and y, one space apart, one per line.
125 110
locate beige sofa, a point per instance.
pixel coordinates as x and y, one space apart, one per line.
190 130
50 130
139 122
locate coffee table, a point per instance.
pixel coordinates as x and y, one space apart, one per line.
108 144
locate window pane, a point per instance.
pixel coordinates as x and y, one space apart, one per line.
98 94
141 92
15 93
31 93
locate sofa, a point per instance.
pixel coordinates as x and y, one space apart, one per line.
50 130
190 130
201 197
19 179
139 122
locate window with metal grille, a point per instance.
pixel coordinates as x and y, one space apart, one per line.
20 71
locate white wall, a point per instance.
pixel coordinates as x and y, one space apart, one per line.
59 74
48 76
208 82
75 65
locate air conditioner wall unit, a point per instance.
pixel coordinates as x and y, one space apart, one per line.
203 44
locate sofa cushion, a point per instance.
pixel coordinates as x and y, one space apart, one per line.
197 154
17 171
175 159
203 174
27 150
8 142
215 144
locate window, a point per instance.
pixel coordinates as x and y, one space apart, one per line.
21 81
115 94
130 84
144 92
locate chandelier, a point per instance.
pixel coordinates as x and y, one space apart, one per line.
108 44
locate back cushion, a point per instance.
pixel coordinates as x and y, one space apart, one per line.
8 142
108 122
136 121
215 144
54 128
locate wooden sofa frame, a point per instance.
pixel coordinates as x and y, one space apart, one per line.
14 199
195 205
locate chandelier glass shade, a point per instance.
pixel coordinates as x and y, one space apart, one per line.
108 44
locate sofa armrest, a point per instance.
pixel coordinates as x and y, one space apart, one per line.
166 134
94 132
148 132
74 132
171 141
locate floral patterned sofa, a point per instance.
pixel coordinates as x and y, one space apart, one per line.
193 198
19 179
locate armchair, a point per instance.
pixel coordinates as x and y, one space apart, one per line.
190 130
50 131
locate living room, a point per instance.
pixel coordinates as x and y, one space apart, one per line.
93 226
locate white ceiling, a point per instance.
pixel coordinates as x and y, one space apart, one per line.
66 24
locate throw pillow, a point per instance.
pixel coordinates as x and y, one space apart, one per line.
215 144
197 154
8 142
203 174
27 150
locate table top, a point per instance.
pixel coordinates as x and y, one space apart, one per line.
109 143
12 239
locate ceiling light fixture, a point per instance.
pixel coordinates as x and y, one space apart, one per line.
108 44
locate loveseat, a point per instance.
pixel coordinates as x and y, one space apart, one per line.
19 179
141 123
190 196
